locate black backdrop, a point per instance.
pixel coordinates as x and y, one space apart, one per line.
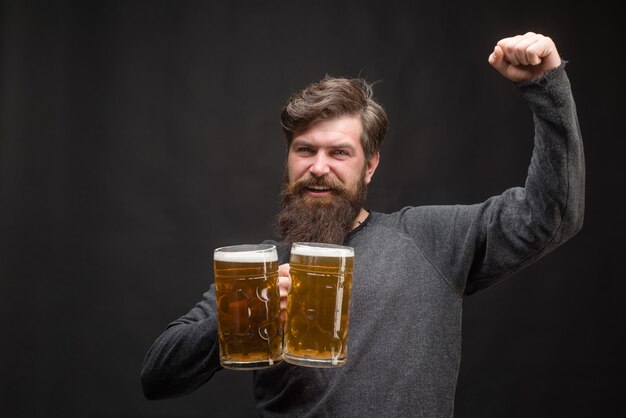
135 137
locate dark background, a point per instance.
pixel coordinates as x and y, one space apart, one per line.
135 137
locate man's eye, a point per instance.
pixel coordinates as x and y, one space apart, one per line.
304 149
340 152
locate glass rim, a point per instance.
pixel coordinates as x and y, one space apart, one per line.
246 253
321 249
246 248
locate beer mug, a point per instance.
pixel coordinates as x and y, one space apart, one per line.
318 307
248 306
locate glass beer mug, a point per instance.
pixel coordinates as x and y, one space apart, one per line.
248 306
316 330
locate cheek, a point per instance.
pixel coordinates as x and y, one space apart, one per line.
350 176
294 170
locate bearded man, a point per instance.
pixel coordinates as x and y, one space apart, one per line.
334 130
412 267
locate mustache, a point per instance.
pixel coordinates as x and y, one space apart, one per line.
301 185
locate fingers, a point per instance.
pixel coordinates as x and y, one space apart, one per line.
528 49
525 57
496 58
284 279
284 286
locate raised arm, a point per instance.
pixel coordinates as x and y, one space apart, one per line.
478 245
523 224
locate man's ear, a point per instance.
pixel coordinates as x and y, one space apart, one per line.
370 167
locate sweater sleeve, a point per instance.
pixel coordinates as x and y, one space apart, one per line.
524 224
185 355
475 246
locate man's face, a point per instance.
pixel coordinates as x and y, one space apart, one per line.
326 182
329 154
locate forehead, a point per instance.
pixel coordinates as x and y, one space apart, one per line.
329 132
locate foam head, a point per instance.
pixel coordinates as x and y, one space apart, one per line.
246 253
311 249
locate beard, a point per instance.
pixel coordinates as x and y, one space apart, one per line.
326 219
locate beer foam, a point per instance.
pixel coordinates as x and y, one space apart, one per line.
326 250
246 256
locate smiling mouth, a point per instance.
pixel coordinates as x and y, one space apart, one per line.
317 190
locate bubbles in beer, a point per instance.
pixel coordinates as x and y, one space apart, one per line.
248 308
318 305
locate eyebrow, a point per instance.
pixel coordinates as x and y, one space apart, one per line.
304 142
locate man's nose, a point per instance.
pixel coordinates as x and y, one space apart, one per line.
320 165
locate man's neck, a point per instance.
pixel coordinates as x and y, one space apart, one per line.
360 218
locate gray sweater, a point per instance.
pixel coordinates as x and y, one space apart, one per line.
412 268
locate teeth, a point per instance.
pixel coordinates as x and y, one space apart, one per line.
319 188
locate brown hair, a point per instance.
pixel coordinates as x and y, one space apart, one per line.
331 98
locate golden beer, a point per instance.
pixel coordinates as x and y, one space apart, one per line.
316 331
248 306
